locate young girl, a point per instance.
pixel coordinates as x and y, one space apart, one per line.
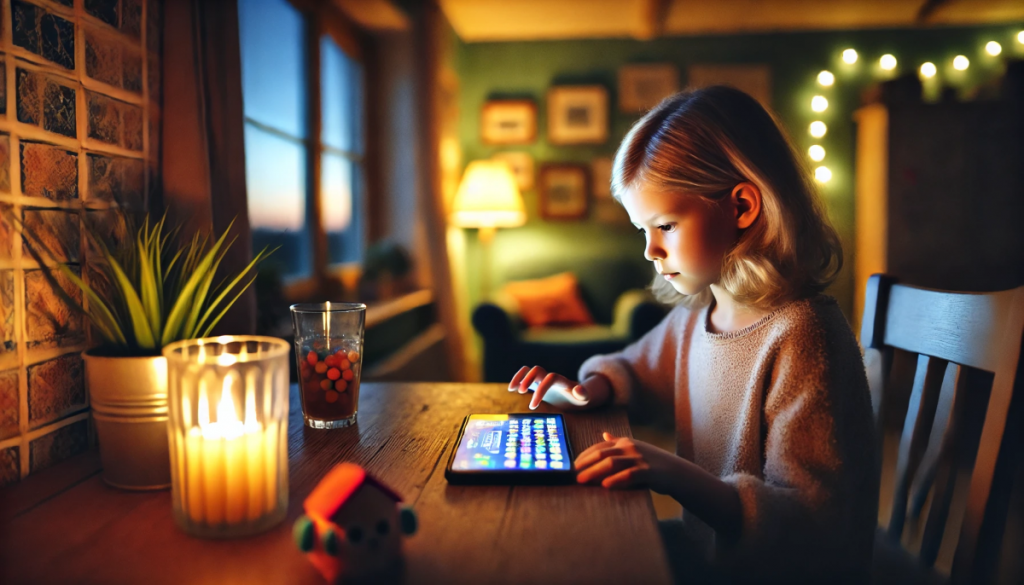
775 465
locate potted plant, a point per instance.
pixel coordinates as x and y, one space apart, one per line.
142 292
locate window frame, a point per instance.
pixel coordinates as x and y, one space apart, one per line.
320 19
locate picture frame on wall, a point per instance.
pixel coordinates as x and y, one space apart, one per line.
643 86
522 167
508 122
578 114
601 177
564 191
754 79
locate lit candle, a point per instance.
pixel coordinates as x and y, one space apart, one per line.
227 455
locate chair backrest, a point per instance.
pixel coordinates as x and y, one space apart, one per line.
951 333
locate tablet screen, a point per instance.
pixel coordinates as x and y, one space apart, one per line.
513 442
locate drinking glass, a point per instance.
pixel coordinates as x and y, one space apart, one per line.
328 353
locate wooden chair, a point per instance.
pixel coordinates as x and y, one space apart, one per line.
951 333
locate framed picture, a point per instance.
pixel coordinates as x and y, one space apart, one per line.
508 122
641 87
564 193
522 167
755 80
601 177
578 114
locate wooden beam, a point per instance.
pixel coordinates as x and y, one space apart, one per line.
653 16
928 9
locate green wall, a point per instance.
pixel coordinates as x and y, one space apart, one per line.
529 69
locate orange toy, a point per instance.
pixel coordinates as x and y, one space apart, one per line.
353 525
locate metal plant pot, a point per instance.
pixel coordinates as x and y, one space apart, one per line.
129 404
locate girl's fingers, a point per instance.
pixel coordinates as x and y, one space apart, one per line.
542 389
627 478
608 436
518 378
533 374
594 448
606 467
587 459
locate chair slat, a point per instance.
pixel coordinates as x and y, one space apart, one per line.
920 414
937 441
949 414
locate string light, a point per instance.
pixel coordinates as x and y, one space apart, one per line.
818 129
819 103
822 174
816 152
887 62
1020 37
928 70
826 79
993 48
961 63
850 56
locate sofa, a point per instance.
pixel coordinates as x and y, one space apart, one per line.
613 290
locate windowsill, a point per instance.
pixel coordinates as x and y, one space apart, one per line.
378 312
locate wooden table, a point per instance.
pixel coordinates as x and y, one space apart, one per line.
65 525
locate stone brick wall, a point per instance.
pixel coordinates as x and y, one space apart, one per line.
79 133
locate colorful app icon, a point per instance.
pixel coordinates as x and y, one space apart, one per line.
556 457
542 456
557 465
511 464
541 465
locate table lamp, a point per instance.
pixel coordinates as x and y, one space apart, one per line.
488 198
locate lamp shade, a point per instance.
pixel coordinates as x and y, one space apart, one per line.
488 197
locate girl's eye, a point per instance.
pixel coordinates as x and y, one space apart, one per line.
667 228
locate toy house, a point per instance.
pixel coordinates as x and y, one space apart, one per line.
353 525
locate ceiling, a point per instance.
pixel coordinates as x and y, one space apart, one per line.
527 20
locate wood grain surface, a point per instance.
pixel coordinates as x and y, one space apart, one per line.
91 533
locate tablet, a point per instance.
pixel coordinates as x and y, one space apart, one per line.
511 449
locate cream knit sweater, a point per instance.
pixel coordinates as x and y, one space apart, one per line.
781 411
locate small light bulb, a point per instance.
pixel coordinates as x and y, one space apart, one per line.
850 56
1020 37
819 103
993 48
816 152
961 63
822 174
818 129
887 62
826 79
928 70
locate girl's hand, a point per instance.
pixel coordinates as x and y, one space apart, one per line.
619 462
557 390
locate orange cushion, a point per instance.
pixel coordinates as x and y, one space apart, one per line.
554 300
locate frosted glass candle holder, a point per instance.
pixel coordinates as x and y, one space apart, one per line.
228 432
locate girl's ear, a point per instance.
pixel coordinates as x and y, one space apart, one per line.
746 200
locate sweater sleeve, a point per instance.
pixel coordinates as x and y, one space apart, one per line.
642 375
813 513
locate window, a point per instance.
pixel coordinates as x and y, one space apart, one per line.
279 149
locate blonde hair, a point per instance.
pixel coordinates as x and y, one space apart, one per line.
703 143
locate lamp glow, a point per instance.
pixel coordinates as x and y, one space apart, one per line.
993 48
822 174
818 129
928 70
850 56
961 63
819 103
1020 37
826 79
816 152
488 197
887 62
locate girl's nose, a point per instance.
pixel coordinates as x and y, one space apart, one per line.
653 251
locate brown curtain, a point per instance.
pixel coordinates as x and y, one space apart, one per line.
203 146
